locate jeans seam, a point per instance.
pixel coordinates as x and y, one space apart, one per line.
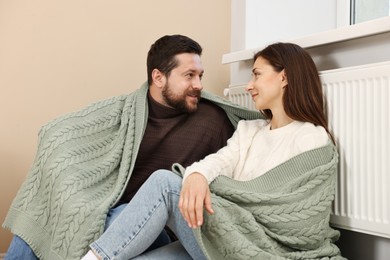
175 192
97 250
155 207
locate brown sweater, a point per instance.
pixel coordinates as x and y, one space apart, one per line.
173 136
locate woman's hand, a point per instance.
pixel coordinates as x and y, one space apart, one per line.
194 194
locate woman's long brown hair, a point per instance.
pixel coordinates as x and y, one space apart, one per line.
303 98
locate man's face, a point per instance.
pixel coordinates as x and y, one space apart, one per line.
183 85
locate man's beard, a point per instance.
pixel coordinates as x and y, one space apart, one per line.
179 102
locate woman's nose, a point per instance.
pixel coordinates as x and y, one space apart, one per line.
249 87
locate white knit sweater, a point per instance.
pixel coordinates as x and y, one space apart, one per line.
254 149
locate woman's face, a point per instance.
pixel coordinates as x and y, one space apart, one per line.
266 86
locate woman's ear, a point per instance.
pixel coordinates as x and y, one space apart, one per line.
284 78
158 78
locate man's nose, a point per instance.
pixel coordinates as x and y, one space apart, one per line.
197 83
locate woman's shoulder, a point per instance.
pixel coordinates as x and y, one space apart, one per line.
310 129
310 136
256 123
247 128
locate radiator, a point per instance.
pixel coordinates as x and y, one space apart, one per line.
359 117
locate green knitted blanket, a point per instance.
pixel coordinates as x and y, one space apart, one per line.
283 214
83 162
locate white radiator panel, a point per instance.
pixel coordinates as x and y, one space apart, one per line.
238 95
359 116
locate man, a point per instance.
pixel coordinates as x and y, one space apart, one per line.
90 163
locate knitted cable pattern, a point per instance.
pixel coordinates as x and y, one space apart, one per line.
83 162
77 153
288 218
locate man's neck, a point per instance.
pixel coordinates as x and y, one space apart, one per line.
155 93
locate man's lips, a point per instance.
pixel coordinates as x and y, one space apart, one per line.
194 94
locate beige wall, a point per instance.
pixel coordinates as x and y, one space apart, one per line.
58 56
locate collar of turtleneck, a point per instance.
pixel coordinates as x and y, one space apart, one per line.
158 110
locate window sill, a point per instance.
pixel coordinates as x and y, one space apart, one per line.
360 30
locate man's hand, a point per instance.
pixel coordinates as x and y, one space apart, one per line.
194 194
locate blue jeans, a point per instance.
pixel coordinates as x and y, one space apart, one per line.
162 240
140 223
19 249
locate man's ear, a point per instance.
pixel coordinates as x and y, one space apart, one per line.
158 78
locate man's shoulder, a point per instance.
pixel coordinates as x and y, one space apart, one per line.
208 105
229 106
211 111
93 109
95 112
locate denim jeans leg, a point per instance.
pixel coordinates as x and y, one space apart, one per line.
113 213
19 249
142 220
162 240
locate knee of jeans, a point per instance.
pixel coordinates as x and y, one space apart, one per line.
165 177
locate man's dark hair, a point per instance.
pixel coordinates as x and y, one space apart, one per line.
162 53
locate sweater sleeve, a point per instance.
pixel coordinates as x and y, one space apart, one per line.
222 162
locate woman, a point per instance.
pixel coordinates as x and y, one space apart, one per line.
267 193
